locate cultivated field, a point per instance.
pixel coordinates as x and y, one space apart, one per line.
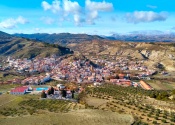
29 109
78 117
104 105
144 109
161 84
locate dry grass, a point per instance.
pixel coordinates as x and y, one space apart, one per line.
96 102
161 85
8 87
158 52
9 101
6 98
79 117
138 110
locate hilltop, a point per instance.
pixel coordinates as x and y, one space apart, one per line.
61 38
144 37
157 55
4 35
26 48
67 38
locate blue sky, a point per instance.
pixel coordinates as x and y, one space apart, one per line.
101 17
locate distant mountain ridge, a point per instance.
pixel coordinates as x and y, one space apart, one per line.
61 38
26 48
152 53
141 37
68 38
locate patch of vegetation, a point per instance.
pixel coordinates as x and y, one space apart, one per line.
5 88
33 106
26 48
50 105
133 100
157 94
81 97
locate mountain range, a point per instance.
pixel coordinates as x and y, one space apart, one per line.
67 38
144 37
28 48
154 53
61 38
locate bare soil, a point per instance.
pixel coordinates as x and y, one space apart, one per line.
78 117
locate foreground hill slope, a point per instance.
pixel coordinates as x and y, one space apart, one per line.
154 54
20 47
78 117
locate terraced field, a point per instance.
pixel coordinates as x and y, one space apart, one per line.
52 112
161 84
78 117
145 110
108 104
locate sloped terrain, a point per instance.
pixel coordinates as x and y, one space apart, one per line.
78 117
144 37
62 38
21 47
154 54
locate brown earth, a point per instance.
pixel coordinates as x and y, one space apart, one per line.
152 53
78 117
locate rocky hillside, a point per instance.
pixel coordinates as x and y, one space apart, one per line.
62 38
160 55
21 47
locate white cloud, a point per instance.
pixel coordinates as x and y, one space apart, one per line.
151 6
145 16
8 24
95 7
98 6
54 7
21 20
78 20
12 23
68 8
173 28
75 9
37 29
71 7
92 16
46 6
48 20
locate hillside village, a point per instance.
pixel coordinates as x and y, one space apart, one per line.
90 62
79 71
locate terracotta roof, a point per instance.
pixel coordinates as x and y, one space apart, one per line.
20 89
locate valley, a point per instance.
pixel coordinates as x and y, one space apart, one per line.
91 62
130 82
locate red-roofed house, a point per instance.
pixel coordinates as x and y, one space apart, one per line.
19 90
